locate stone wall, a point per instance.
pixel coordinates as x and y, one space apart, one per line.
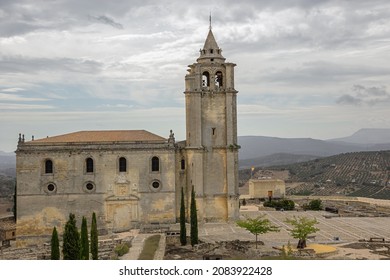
121 200
262 188
42 251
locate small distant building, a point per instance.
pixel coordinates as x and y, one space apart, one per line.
7 231
266 188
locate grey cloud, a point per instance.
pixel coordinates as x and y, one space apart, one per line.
33 65
314 72
370 91
347 99
365 95
106 20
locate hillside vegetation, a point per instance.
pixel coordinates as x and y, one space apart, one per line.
7 186
364 174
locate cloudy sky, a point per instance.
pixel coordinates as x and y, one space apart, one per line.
305 68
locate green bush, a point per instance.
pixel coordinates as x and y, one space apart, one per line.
315 204
284 204
121 249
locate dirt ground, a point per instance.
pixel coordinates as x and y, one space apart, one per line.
245 250
227 250
339 238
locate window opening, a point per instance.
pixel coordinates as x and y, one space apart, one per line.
48 166
155 184
89 186
51 187
218 79
155 164
213 130
122 165
183 164
205 79
89 165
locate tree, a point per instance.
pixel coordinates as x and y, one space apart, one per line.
94 238
194 219
84 243
315 204
71 240
55 245
302 227
257 226
183 231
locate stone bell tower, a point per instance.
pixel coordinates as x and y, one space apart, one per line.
211 134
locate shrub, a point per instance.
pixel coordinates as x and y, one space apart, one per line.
121 249
284 204
315 204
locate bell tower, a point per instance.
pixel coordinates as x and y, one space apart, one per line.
211 134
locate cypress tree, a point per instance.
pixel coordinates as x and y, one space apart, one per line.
71 240
84 243
94 238
194 219
55 245
183 231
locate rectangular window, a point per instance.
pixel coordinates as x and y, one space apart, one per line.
122 165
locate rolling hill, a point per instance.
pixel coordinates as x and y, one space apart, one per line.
364 174
257 150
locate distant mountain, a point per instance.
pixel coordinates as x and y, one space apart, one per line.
360 174
7 164
260 146
274 159
253 147
367 136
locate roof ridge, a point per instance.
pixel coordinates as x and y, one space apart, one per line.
102 136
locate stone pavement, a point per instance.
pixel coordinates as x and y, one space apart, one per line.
333 230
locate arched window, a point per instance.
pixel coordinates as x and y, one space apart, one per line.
89 165
48 166
183 164
155 164
122 164
218 79
205 79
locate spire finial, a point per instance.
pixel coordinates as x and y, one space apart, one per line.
210 21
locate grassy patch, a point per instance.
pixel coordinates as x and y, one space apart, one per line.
150 248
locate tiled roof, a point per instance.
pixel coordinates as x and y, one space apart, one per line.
102 136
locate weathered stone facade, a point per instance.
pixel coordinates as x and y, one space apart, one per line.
132 178
211 146
267 188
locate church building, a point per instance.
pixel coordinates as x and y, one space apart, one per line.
133 178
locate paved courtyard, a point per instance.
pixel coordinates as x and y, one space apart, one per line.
333 229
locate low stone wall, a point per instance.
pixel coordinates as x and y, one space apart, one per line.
42 252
